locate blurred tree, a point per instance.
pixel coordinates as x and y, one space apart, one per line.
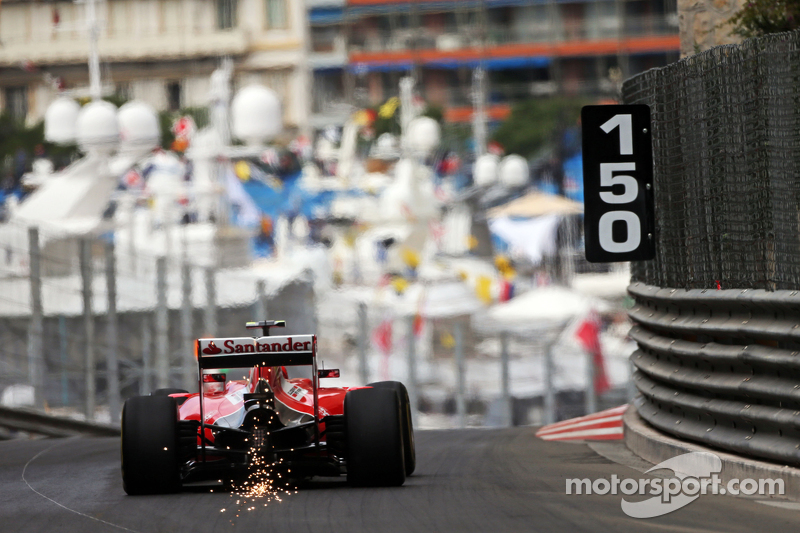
537 122
18 144
387 116
435 112
760 17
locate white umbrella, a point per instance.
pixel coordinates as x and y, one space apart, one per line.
539 309
449 299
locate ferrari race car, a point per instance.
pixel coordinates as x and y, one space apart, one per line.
293 426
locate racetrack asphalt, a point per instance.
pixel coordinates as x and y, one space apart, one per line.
473 480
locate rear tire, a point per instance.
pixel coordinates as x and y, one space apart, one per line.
150 462
374 438
409 449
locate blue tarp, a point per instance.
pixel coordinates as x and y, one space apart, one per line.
290 200
287 199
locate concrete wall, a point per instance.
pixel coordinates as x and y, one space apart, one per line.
698 21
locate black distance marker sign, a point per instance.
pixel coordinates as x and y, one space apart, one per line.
619 222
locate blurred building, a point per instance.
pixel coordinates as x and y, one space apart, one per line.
159 51
529 48
328 61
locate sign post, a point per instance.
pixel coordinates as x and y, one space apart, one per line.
619 222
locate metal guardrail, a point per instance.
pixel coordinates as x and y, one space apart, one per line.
38 423
721 367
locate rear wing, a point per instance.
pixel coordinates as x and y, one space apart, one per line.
243 352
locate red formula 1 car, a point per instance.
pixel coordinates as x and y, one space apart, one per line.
172 437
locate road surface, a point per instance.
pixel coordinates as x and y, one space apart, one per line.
473 480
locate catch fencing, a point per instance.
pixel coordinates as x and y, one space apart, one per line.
85 324
717 312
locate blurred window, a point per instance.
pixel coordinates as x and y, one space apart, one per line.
226 14
174 95
123 91
277 18
17 102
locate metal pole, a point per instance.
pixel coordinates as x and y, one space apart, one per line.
508 412
62 348
461 404
412 369
88 322
162 325
133 257
406 112
95 88
36 327
567 252
187 308
112 362
260 307
590 400
549 393
363 333
479 110
210 316
146 385
313 299
307 78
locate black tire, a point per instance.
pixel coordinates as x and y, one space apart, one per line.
374 438
168 391
409 449
150 450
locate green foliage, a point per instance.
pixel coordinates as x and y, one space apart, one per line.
536 122
16 136
761 17
116 99
391 124
386 124
435 112
456 135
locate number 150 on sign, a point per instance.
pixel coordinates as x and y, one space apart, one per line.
618 183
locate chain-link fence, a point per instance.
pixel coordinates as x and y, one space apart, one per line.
84 324
726 149
453 364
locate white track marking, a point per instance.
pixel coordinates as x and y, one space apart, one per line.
32 459
584 433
